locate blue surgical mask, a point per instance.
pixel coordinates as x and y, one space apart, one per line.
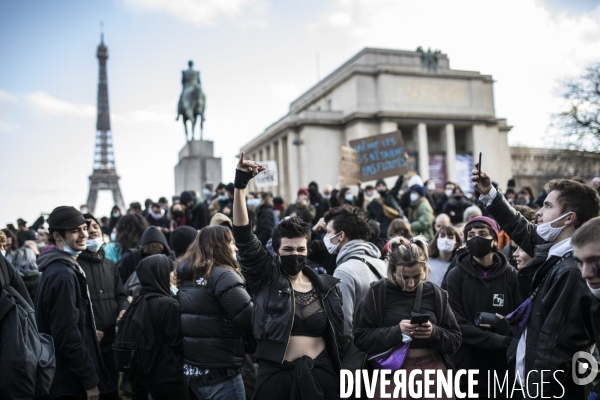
113 236
116 215
205 192
253 202
223 197
349 197
69 250
94 245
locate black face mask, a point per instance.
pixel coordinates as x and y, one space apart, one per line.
293 264
312 190
479 247
382 193
178 214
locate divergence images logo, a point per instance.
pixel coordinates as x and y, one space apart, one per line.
581 367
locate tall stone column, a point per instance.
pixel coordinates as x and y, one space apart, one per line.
450 144
423 160
280 169
292 164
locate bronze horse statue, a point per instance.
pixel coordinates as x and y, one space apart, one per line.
192 101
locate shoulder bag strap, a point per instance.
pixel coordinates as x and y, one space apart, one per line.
417 306
563 258
371 267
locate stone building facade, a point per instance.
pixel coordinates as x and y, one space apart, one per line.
535 167
446 117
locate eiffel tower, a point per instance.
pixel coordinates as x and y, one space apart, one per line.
105 175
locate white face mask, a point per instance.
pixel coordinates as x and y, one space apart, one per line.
94 245
331 248
445 245
448 192
547 232
3 252
431 186
414 197
69 250
595 292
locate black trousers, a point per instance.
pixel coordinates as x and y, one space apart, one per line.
303 378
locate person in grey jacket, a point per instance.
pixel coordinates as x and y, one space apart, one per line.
358 265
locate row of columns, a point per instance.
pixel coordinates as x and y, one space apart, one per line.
421 138
289 154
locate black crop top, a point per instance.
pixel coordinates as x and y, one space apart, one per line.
310 318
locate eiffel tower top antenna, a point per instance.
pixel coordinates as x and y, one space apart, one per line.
105 175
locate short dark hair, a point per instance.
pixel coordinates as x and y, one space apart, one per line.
350 220
581 199
588 233
290 228
448 230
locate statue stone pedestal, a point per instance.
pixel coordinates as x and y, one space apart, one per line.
197 165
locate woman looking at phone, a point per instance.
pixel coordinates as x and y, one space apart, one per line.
383 319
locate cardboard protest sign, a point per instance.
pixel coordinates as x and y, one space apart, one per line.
381 156
349 166
268 177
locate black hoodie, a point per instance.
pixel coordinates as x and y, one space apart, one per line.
469 293
63 311
107 293
132 257
165 324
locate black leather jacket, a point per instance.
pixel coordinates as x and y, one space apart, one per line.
560 323
273 298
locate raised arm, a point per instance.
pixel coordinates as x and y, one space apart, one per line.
521 231
245 171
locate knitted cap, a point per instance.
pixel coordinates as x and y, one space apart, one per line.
486 220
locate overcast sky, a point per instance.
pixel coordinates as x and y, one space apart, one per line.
255 57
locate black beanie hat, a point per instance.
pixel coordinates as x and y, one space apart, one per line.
182 238
186 197
380 182
65 217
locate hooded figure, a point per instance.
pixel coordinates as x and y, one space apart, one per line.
159 315
181 238
483 281
316 199
358 265
153 241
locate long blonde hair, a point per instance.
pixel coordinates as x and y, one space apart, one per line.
406 253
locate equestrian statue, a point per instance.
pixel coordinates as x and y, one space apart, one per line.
192 101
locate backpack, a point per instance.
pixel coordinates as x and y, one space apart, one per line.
132 285
134 343
27 362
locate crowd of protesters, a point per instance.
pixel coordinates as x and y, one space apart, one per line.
238 294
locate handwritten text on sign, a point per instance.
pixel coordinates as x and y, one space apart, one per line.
269 177
381 156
